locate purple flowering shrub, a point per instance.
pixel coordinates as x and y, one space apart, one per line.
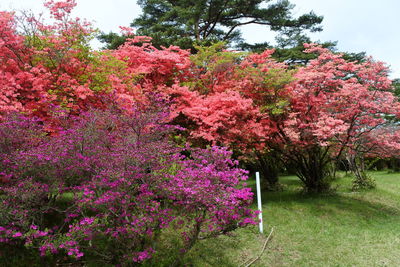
110 185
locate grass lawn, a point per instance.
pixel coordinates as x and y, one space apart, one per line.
341 229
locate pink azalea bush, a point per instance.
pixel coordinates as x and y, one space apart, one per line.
111 184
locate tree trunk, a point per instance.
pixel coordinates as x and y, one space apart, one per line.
361 179
312 167
356 168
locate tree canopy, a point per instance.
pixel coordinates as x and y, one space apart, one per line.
185 22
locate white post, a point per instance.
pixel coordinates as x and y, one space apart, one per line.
259 201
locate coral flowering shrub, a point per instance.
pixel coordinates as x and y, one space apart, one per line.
47 64
111 186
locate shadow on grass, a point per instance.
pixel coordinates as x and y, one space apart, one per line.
345 211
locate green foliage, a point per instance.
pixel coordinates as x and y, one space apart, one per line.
274 103
212 56
209 61
104 65
359 57
111 40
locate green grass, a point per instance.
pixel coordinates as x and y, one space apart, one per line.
340 229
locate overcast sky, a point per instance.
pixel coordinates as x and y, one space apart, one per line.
357 25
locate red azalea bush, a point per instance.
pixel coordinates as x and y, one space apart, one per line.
111 184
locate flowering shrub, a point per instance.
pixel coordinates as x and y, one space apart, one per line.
48 64
111 184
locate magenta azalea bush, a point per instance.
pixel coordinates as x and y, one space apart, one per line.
111 185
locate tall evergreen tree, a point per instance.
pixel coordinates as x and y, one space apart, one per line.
186 22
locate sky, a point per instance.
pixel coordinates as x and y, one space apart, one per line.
357 25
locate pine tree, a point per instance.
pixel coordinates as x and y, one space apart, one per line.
188 22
